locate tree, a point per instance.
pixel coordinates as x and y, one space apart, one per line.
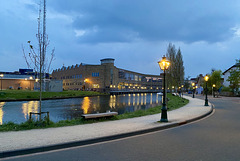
175 73
37 56
234 78
215 78
171 55
179 68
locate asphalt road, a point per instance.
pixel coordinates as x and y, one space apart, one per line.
215 138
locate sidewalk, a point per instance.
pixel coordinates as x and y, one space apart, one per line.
23 142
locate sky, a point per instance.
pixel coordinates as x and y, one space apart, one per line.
136 33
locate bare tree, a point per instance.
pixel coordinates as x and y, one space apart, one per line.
37 56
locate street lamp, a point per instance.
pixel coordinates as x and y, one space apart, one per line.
85 82
193 86
196 89
182 90
213 88
206 99
1 75
30 82
164 64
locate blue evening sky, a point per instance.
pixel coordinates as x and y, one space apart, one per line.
136 33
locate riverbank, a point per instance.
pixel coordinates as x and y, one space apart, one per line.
42 140
27 95
173 103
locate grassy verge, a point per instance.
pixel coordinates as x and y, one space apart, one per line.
13 95
173 103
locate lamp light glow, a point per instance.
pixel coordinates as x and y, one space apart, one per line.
164 63
206 78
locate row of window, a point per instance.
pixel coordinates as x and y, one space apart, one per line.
72 77
130 76
95 74
79 76
71 84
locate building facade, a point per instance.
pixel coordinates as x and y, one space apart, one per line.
26 79
226 74
105 78
22 79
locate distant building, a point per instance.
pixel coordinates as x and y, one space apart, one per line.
105 78
49 85
27 79
226 74
22 79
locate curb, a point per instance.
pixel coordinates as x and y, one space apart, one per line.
98 140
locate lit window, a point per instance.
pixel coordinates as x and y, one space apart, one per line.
95 85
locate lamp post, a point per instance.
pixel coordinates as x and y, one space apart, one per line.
196 89
182 90
85 82
30 82
213 88
1 75
193 86
206 99
164 64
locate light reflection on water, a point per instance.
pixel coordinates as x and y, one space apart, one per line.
1 112
31 106
63 109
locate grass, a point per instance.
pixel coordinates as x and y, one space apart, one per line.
14 95
173 103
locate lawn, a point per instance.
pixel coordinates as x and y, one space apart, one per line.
13 95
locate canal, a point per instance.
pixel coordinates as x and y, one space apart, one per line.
63 109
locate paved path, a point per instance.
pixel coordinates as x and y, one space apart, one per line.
40 138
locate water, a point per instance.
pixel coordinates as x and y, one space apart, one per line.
63 109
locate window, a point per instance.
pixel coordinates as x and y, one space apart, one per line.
140 78
136 77
121 74
95 85
95 74
78 76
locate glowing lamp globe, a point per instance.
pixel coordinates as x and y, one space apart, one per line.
164 63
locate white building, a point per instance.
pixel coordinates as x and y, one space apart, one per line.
50 85
226 74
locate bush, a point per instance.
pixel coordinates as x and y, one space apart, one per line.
226 89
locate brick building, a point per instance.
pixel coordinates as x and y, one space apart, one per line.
105 77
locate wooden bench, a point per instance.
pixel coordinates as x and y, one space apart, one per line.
99 115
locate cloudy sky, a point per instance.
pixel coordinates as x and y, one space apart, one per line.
136 33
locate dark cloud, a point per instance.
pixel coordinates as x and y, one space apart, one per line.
125 21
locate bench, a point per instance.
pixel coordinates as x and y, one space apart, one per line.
99 115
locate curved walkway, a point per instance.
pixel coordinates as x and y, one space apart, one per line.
38 140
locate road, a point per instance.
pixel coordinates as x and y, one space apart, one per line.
215 138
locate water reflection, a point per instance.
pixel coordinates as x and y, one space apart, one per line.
85 104
31 106
1 112
112 101
73 108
